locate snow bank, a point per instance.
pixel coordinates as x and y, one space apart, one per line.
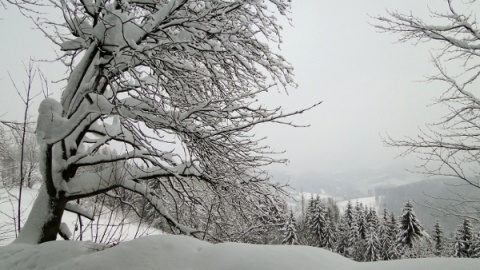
181 252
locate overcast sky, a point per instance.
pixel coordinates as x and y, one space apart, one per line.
367 82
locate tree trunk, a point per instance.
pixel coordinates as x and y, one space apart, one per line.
44 220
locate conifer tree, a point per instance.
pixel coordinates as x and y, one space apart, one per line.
343 233
355 242
372 218
329 232
387 236
290 232
308 223
392 226
411 230
311 206
372 252
349 214
372 246
302 227
384 237
463 240
476 246
438 239
317 224
361 221
358 234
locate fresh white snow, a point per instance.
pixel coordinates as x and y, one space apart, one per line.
182 252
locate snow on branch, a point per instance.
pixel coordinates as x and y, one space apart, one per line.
154 199
78 209
449 147
89 183
172 87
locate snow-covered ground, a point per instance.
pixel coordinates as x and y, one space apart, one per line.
111 227
181 252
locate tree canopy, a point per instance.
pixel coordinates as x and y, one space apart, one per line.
174 84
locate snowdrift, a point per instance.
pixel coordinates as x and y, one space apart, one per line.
180 252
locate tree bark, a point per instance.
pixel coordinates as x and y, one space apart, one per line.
43 223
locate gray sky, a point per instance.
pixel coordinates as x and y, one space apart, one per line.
369 84
366 81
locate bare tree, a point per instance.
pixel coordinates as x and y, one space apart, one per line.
173 84
21 136
451 147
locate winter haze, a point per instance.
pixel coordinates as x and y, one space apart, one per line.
370 87
149 115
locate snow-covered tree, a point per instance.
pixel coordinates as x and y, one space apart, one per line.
317 224
309 212
311 205
371 218
373 248
7 157
302 226
387 240
174 84
290 231
329 236
358 234
438 239
463 246
372 241
343 238
345 231
361 218
449 147
11 160
263 226
392 226
349 214
476 246
410 228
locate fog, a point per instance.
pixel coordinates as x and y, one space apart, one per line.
371 87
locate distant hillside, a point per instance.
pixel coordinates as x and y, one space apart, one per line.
424 193
393 196
348 184
335 185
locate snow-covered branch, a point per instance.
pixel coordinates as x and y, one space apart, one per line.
171 88
449 148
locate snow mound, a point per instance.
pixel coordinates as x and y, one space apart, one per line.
181 252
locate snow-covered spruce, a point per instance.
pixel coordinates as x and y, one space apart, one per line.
410 228
290 232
